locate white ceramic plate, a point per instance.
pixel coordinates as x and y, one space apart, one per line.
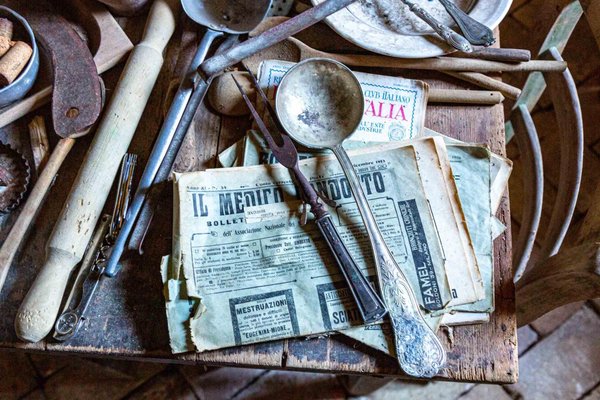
396 32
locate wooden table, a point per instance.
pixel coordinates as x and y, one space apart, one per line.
127 318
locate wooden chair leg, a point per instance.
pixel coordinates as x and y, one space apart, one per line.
533 180
571 275
356 385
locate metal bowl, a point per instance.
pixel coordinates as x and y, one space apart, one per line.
19 88
319 102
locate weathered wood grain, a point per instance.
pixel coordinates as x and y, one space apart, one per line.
127 318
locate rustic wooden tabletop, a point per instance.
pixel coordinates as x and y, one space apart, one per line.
127 318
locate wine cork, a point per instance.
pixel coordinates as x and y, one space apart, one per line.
13 62
6 32
6 28
4 45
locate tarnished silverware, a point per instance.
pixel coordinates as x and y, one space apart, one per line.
91 270
474 31
452 38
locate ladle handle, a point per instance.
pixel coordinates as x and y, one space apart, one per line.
218 63
160 151
369 304
418 349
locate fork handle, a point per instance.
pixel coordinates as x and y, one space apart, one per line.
369 304
473 30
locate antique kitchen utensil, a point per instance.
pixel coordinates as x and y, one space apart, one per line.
433 64
454 39
474 31
387 27
234 17
369 304
82 210
320 103
479 52
64 47
92 266
77 101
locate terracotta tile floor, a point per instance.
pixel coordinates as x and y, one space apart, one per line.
560 352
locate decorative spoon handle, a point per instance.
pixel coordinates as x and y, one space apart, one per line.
418 349
475 32
452 38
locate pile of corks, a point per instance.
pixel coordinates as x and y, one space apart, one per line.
14 54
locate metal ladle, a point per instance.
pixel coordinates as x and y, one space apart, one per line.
219 17
320 104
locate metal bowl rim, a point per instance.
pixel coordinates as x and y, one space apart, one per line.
286 76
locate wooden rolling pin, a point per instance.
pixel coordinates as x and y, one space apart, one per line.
83 207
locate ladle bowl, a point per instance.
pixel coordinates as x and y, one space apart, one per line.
235 17
320 102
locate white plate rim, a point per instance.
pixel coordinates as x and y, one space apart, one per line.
347 25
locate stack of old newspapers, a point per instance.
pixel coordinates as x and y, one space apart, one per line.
244 269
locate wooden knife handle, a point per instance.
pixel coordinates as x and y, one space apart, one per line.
83 207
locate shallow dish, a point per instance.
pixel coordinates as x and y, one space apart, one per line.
20 86
393 31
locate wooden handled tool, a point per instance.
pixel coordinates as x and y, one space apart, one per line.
83 207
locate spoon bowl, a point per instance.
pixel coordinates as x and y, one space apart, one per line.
320 103
234 17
